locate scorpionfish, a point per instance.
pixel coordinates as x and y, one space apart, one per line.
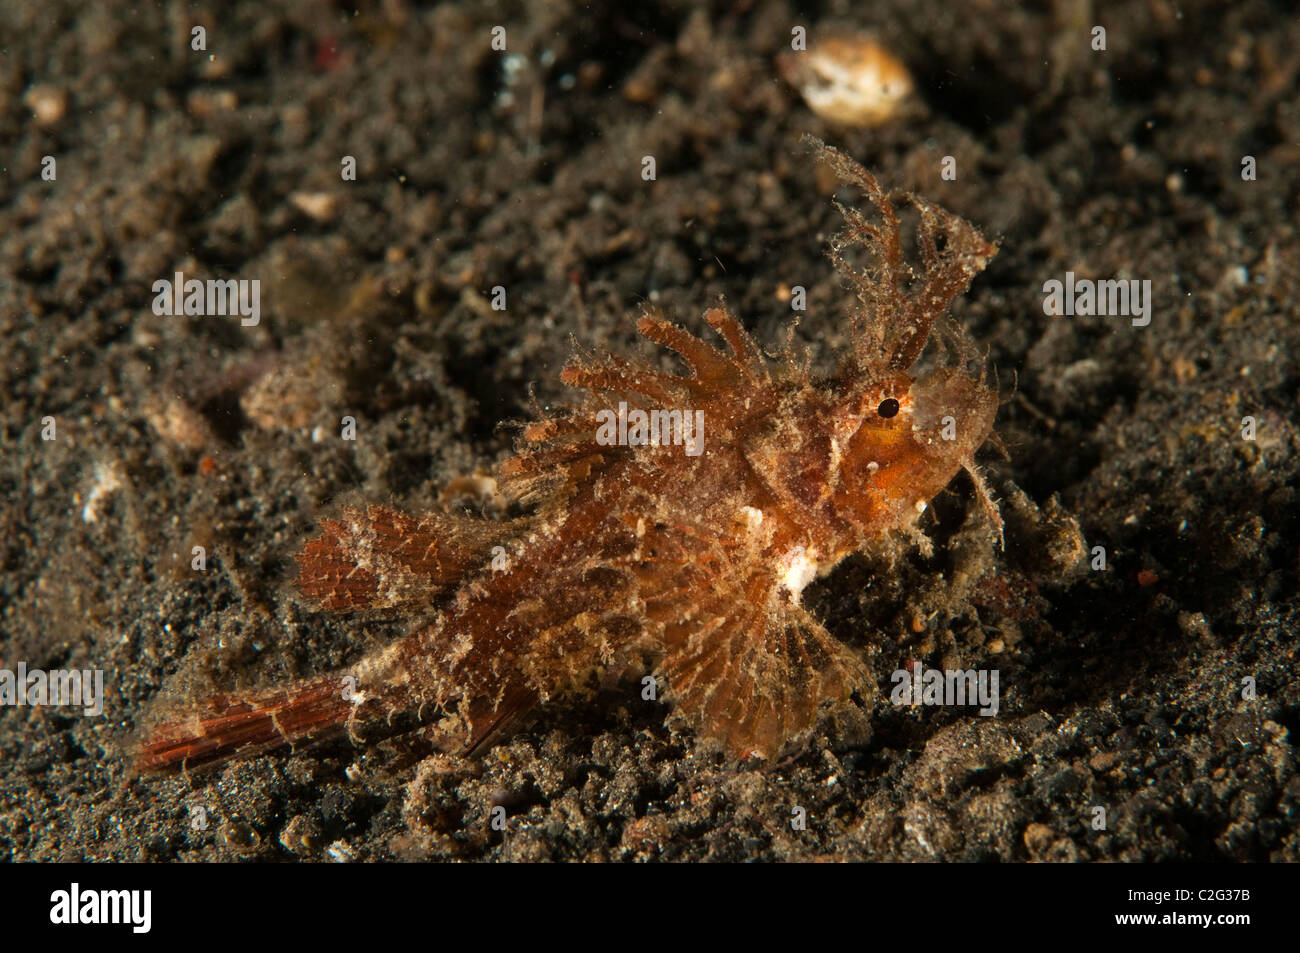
634 555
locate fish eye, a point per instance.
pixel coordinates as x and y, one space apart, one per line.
888 408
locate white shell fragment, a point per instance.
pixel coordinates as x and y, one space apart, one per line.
853 81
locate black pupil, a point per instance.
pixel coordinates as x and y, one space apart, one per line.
888 408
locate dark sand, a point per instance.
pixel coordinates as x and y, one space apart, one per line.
1121 689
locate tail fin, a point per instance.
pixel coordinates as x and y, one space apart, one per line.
228 725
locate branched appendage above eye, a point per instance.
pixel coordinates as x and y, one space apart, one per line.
897 314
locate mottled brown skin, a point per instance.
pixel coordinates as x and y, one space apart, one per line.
644 556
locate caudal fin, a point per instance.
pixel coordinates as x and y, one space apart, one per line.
229 725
